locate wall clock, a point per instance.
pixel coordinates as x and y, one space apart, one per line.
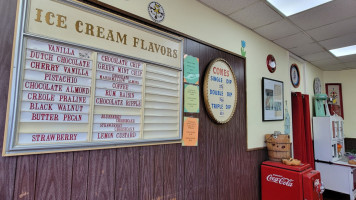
295 75
317 86
220 91
156 11
271 63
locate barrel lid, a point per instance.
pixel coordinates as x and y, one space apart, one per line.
299 168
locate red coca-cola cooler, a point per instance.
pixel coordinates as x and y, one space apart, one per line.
282 182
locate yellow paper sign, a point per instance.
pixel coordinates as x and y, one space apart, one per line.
190 131
191 98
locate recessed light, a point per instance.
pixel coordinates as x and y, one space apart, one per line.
288 7
344 51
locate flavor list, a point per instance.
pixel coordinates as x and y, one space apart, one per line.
56 89
118 84
220 87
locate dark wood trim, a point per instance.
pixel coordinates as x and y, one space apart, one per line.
8 166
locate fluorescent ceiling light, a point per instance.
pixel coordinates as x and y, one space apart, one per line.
291 7
344 51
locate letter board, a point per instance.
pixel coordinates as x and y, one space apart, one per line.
119 85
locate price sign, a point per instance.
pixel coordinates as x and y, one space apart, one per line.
220 91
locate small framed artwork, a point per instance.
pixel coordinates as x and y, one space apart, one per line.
272 100
295 75
334 91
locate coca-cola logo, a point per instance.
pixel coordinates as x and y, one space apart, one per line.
280 180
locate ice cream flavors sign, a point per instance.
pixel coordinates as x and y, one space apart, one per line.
84 78
220 91
56 19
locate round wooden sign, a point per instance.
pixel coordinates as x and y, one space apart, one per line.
220 91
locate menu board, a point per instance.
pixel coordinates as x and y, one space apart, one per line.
83 78
220 91
118 84
74 95
56 90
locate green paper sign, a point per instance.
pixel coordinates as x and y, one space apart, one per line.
191 69
191 98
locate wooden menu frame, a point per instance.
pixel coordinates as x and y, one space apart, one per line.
61 86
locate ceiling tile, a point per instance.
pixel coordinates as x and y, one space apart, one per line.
318 56
293 41
326 62
228 6
332 24
338 42
277 30
306 49
325 14
334 30
346 59
335 67
351 65
256 15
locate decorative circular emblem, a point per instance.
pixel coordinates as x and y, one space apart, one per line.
317 86
155 10
220 91
294 75
271 63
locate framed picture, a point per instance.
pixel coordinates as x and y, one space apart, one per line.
334 91
272 100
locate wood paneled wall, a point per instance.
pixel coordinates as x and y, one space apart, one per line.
219 168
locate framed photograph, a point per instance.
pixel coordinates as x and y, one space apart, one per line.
272 100
334 91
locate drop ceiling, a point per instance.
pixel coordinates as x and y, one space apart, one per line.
308 34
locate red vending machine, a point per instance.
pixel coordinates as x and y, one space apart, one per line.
281 182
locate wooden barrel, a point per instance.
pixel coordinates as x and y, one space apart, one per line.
278 147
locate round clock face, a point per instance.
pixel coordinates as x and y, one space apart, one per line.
156 12
295 75
271 63
317 86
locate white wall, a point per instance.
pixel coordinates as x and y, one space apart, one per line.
347 78
199 21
